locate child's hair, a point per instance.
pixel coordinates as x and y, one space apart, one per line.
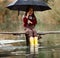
27 10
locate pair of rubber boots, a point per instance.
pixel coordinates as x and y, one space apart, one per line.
34 45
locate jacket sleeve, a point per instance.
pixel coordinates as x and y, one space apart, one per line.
25 20
35 21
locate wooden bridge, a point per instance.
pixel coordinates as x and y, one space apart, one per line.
39 33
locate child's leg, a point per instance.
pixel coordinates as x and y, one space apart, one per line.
31 39
35 41
36 44
31 45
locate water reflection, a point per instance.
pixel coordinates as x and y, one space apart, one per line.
43 53
49 53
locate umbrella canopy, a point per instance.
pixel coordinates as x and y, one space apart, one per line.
21 5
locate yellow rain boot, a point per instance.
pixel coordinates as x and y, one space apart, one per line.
31 45
36 44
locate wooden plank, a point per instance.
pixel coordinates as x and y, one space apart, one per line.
49 32
40 33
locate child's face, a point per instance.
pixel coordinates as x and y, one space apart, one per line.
30 11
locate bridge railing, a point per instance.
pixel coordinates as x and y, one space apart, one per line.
40 33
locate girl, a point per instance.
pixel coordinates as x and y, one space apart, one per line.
30 22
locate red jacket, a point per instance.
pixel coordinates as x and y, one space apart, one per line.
25 20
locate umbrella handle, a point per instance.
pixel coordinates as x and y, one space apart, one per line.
18 12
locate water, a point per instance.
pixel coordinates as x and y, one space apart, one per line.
43 53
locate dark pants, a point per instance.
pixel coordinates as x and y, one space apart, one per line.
27 40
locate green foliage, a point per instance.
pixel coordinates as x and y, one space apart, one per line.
41 54
9 25
46 0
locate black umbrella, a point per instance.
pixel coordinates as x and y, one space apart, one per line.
22 5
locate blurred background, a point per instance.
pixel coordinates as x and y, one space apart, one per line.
47 21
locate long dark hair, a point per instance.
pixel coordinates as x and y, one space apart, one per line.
27 10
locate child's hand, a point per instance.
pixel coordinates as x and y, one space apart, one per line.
27 15
29 22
